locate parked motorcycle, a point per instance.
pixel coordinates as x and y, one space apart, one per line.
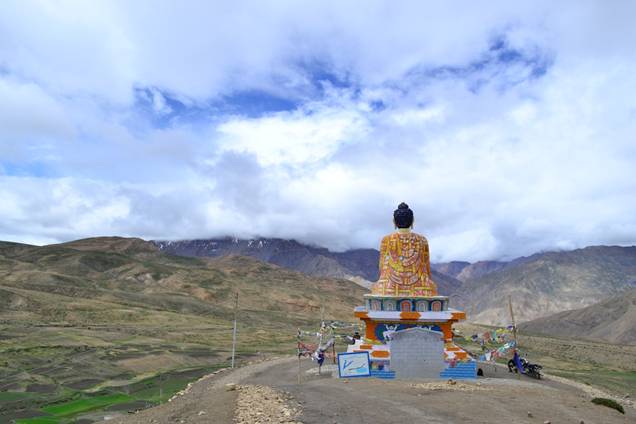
531 370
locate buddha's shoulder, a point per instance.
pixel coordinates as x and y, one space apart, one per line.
397 235
419 236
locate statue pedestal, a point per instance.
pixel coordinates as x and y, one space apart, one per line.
418 327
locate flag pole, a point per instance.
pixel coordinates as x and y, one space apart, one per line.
512 317
299 335
234 329
322 315
514 334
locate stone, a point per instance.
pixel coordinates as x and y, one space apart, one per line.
530 414
263 404
417 353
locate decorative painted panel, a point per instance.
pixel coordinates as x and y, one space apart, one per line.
405 306
422 306
384 331
389 305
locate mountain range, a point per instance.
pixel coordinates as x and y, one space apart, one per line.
612 320
464 271
358 265
140 274
548 283
539 285
114 274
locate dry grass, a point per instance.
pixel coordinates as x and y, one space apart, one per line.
609 367
119 311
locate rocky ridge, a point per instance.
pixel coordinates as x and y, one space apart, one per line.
548 283
612 320
357 265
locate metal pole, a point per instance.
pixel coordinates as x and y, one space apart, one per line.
299 348
512 317
234 330
514 332
299 356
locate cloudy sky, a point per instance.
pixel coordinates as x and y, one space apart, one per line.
508 128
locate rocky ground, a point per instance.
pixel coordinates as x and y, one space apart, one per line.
264 404
269 392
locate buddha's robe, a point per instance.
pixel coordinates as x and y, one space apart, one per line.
405 267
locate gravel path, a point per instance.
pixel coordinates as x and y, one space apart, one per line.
322 399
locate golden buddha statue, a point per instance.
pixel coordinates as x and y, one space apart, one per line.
405 267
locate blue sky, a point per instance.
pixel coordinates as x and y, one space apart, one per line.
509 127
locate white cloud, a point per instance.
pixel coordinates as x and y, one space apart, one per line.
508 128
27 111
52 209
293 138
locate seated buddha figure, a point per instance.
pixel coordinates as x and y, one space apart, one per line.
405 268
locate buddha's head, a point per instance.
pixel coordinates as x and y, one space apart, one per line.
403 216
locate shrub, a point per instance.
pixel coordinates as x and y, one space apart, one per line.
609 403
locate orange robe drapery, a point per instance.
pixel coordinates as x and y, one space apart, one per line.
405 267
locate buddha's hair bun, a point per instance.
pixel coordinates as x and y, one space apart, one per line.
403 216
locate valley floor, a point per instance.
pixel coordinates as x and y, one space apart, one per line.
24 391
499 397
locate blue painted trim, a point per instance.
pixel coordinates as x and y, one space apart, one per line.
381 328
354 353
461 371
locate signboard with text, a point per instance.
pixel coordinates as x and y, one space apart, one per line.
353 364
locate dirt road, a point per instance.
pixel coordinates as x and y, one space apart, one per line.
323 400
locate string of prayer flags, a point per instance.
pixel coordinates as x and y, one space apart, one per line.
497 353
499 335
306 349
